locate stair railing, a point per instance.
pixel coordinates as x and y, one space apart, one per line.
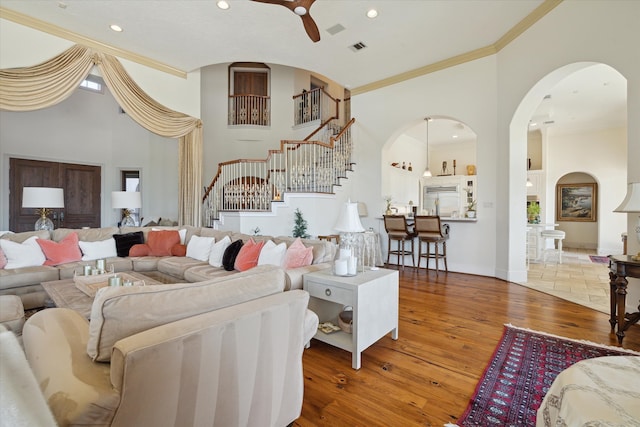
314 105
297 167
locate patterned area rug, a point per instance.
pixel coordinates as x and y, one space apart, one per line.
523 366
599 259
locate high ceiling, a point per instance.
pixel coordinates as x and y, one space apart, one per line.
406 35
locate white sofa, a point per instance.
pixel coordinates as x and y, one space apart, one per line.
223 352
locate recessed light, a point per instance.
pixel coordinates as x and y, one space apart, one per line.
372 13
116 28
455 136
223 5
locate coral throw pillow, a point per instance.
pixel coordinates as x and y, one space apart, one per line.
248 256
160 242
141 249
297 255
66 250
230 254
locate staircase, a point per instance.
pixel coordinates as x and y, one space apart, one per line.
313 165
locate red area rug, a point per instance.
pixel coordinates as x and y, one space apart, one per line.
523 366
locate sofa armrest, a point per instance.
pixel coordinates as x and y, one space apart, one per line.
77 390
294 275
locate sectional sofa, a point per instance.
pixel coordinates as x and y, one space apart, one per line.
169 264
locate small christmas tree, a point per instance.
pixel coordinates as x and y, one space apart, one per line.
300 229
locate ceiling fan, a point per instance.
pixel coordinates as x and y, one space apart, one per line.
300 8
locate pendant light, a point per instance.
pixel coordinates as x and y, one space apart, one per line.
427 172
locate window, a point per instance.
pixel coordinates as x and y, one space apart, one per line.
93 84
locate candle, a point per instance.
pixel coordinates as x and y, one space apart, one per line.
341 267
352 265
86 270
114 281
345 253
101 264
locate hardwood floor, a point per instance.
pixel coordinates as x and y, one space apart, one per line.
449 327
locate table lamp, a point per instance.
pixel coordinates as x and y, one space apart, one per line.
349 252
126 200
43 199
631 204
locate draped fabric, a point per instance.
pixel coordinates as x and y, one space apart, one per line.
48 83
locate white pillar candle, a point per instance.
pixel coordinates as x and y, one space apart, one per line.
345 253
341 267
352 265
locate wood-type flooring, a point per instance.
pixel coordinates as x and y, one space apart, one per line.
448 328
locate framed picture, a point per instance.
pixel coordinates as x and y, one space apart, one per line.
576 202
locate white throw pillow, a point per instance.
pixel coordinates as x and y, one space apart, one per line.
181 232
272 254
217 251
200 247
25 254
98 250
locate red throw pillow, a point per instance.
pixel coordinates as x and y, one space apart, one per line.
179 250
66 250
248 256
161 242
141 249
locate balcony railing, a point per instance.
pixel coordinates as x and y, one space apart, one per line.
314 105
297 167
249 110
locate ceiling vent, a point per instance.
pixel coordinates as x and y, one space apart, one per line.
549 122
335 29
358 46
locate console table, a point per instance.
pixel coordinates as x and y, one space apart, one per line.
621 267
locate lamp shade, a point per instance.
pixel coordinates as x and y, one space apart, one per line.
125 199
631 202
42 197
349 220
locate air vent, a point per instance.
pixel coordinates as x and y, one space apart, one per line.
335 29
549 122
547 97
358 46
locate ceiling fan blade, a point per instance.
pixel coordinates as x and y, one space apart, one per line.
311 28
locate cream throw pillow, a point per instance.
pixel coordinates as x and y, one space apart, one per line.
217 251
272 254
97 250
25 254
200 247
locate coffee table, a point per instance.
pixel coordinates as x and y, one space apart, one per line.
66 294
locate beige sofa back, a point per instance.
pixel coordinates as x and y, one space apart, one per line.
120 312
237 366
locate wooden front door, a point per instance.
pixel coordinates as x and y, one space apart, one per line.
81 184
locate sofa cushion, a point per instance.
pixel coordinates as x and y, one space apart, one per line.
248 255
200 247
21 237
297 255
85 234
66 250
217 251
25 254
98 250
182 232
230 254
3 259
161 241
140 250
124 242
176 266
179 250
119 312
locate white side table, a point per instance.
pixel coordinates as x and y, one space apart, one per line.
374 298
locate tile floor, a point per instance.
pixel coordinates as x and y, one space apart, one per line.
577 279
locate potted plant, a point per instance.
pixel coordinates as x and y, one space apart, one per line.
533 213
471 209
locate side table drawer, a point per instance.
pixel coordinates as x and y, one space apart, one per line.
330 293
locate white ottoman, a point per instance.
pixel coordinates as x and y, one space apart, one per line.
12 313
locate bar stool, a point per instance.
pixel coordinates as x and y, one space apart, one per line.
398 230
429 230
555 235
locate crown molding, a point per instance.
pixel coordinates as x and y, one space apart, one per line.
537 14
54 30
